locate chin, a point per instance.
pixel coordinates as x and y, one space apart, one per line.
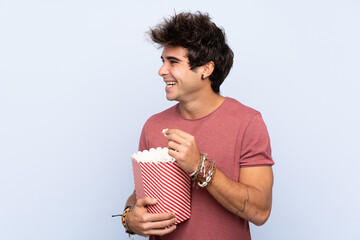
169 98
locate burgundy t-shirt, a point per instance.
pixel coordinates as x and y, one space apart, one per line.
234 136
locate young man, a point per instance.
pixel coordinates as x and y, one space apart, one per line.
237 187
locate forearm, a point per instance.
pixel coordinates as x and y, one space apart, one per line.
244 200
131 200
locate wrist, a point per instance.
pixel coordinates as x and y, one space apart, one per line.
205 171
194 175
207 174
124 217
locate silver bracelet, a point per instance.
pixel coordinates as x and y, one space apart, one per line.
193 173
210 172
201 165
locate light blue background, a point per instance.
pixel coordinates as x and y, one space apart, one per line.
78 80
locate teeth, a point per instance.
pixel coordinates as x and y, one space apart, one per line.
170 84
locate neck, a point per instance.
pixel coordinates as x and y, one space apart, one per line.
201 106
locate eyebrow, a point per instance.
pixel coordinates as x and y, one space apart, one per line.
171 58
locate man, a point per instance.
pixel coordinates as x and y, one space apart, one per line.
234 176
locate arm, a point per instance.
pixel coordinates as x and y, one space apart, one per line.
143 223
139 220
249 198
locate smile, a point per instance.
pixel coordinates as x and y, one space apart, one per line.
170 84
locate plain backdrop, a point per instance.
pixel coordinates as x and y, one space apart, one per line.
78 79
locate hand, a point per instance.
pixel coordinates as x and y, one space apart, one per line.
145 224
182 146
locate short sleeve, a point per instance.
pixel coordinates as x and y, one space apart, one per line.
142 142
255 147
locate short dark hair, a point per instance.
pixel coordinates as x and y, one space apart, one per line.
202 39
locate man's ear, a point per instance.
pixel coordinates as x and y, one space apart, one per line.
208 69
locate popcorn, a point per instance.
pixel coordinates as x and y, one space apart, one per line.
153 155
157 175
164 130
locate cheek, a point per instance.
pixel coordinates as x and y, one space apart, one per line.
194 79
178 75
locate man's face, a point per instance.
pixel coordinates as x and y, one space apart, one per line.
182 84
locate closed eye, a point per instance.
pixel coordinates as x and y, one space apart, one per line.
172 60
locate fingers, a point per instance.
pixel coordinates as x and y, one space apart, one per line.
146 201
159 220
154 224
161 226
178 136
182 146
176 146
143 202
164 223
161 232
180 141
174 153
160 217
143 223
176 141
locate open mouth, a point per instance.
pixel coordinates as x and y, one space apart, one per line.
170 84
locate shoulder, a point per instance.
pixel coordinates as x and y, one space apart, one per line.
165 115
152 136
237 109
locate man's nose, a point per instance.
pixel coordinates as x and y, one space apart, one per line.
163 70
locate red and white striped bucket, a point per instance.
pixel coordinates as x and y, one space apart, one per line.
166 182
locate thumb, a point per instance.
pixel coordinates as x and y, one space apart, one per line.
146 201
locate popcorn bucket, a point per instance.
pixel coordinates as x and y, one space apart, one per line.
157 175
